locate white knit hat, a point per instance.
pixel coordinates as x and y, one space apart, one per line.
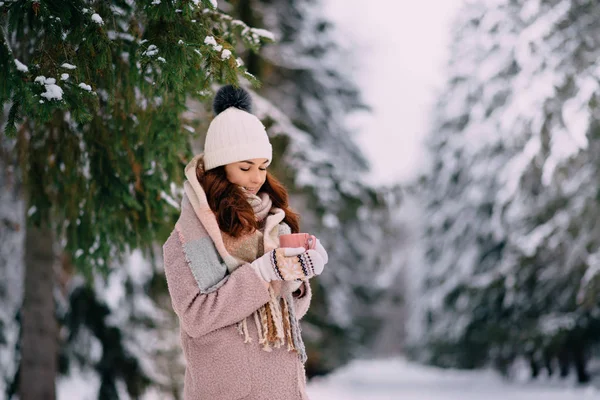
234 134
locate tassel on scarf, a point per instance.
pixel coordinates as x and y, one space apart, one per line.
275 325
271 329
265 328
286 325
259 330
273 307
247 338
296 331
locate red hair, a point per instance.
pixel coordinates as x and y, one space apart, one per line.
233 211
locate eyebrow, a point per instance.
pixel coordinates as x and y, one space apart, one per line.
250 162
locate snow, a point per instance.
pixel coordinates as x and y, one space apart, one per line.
68 66
80 385
151 51
97 19
169 199
263 33
12 235
225 54
210 40
20 66
155 2
112 35
64 77
53 91
395 379
330 221
386 379
85 86
592 273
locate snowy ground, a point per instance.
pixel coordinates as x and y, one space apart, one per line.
400 380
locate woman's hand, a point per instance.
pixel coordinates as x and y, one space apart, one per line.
289 264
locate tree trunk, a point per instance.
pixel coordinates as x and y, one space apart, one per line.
533 365
39 346
563 362
580 362
246 14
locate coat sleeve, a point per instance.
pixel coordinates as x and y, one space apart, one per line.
302 298
241 293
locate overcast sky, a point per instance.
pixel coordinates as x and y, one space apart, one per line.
400 49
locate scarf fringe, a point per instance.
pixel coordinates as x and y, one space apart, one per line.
296 331
278 333
276 325
287 325
262 313
247 338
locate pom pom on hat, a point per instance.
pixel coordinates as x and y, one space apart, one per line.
229 96
234 134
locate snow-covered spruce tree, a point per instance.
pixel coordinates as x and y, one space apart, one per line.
303 75
512 238
95 90
552 214
464 245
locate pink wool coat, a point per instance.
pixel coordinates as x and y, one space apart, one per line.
219 365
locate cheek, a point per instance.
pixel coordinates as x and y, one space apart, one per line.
238 178
231 176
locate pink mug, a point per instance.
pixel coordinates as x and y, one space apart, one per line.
298 240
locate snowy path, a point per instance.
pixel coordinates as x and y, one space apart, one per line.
399 380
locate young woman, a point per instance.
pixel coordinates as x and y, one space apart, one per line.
238 295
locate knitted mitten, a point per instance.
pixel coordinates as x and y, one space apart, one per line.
322 252
289 264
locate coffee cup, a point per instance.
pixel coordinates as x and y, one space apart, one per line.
298 240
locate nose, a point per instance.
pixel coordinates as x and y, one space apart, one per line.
256 177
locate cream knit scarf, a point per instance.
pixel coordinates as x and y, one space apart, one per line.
273 320
276 322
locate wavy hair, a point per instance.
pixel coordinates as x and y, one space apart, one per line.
233 211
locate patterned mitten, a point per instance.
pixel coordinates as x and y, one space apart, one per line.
289 264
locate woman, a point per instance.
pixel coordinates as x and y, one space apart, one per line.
237 295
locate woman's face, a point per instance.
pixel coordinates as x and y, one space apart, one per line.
249 174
